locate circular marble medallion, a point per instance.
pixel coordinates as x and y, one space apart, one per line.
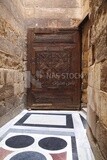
30 155
52 143
19 141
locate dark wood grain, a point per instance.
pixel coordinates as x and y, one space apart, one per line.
53 60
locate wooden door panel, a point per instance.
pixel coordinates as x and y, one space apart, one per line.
54 59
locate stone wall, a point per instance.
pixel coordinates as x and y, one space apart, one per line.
52 14
12 56
97 79
85 28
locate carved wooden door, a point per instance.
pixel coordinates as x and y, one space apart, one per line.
54 64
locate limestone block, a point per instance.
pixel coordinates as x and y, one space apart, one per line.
8 91
2 108
20 77
97 101
16 89
97 75
25 66
15 23
8 61
104 76
16 76
2 78
22 87
22 106
91 58
92 119
22 99
85 37
90 94
98 19
96 3
55 13
2 27
2 90
101 47
94 145
101 136
11 102
103 111
84 97
14 8
9 77
52 4
91 71
85 59
85 7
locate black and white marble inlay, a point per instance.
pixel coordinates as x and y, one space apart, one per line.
84 121
52 143
69 122
36 135
29 155
19 141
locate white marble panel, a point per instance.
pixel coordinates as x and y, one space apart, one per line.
46 119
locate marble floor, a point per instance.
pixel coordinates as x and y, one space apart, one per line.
45 135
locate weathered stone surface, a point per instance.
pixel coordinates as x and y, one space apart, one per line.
85 37
97 81
10 114
2 79
12 53
9 77
10 103
2 93
54 13
94 145
15 24
8 91
15 9
94 100
16 89
103 84
85 51
50 13
92 119
97 75
91 101
101 135
51 23
91 56
101 46
2 108
97 101
52 4
85 7
91 72
103 111
84 97
98 19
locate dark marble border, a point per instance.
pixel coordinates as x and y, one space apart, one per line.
69 121
84 121
74 148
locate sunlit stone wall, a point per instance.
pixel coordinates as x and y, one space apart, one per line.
12 56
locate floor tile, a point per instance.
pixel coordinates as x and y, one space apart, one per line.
46 120
46 135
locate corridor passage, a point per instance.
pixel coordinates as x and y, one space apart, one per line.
45 135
